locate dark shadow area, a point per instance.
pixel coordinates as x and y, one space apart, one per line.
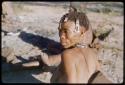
93 76
99 78
16 73
104 35
9 66
13 73
20 76
101 36
45 44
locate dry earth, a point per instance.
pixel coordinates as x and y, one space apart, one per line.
38 25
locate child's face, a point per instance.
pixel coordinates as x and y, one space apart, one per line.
68 35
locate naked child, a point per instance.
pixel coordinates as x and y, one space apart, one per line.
78 62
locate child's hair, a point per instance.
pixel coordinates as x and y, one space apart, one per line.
73 15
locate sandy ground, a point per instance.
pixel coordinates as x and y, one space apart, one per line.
39 27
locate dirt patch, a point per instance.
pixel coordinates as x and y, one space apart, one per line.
33 30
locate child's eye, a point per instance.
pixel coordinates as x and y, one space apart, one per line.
65 31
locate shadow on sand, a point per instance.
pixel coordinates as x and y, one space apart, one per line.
51 46
19 74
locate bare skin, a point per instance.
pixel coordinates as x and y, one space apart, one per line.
78 64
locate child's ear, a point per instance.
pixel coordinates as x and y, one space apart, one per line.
83 30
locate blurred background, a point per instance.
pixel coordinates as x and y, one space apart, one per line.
28 27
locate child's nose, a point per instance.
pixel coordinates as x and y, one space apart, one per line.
62 36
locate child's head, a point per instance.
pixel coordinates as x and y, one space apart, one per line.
72 26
